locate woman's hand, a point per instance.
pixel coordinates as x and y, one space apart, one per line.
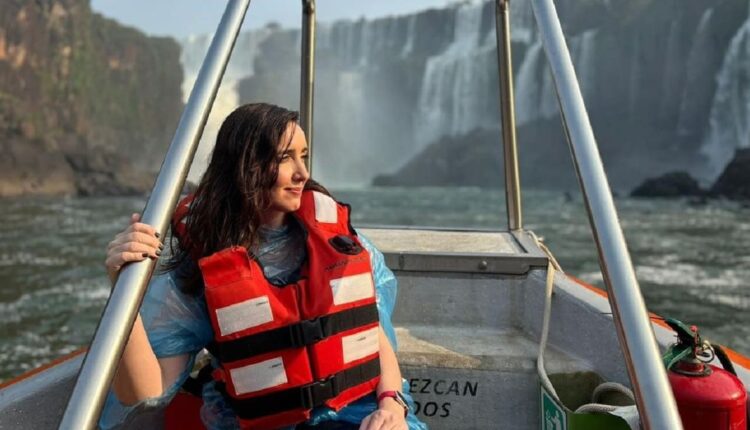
385 419
136 243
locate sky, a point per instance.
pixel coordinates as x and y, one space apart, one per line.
180 18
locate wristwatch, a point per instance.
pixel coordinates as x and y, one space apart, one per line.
398 397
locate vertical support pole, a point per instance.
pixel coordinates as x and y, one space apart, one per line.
98 369
307 81
508 115
653 393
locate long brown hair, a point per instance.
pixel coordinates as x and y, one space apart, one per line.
235 189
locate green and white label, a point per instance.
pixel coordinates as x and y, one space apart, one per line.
553 416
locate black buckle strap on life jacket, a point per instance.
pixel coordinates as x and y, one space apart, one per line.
306 397
296 335
195 385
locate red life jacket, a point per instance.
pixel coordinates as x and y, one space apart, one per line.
285 350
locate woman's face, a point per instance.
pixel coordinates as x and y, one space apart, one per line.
286 193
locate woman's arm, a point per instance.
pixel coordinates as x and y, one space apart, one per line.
177 326
389 415
390 375
140 374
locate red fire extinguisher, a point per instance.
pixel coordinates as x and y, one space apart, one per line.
708 397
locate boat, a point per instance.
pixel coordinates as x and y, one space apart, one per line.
475 308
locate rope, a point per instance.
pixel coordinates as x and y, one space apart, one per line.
552 266
599 391
611 387
595 408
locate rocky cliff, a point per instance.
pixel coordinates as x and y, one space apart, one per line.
386 89
87 106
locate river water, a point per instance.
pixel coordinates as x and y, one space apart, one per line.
692 260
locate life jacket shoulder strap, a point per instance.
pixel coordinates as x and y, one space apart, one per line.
324 213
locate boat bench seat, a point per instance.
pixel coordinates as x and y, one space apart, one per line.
475 378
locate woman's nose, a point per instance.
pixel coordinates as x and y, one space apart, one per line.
301 173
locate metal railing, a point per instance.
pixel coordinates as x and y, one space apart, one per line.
108 344
508 115
653 393
307 79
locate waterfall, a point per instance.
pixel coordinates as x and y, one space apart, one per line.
585 57
673 68
690 116
634 84
453 98
240 65
411 29
522 22
527 90
729 121
535 90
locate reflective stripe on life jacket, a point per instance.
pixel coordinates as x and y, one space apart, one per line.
285 350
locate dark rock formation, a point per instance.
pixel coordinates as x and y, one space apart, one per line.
475 159
87 106
734 182
673 184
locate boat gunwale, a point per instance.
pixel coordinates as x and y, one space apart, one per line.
42 368
658 321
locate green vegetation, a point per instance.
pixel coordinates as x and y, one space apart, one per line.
102 96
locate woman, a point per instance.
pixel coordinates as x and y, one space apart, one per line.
277 261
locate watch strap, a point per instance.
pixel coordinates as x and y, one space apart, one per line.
397 396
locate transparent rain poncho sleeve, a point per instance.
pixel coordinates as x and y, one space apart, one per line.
176 324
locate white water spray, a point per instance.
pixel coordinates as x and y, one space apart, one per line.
729 121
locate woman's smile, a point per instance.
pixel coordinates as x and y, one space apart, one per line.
296 191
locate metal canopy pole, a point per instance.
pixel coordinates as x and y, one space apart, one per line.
508 116
307 79
653 393
98 369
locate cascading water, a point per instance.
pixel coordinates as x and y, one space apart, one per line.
691 117
194 49
535 90
670 86
528 91
636 70
583 51
729 121
453 96
409 45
